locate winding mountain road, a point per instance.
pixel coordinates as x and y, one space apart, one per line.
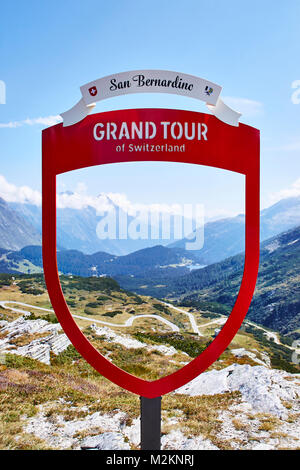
188 314
127 323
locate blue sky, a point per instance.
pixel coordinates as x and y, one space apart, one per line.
252 48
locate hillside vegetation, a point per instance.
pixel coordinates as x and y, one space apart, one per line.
60 402
276 302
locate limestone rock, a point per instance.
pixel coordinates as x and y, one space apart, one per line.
105 441
38 349
264 389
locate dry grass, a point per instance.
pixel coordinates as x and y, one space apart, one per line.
149 365
293 417
6 314
70 383
3 335
200 415
268 422
78 300
227 359
278 435
288 405
240 425
25 384
244 340
88 433
63 389
27 338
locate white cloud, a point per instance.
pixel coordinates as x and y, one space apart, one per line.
11 193
79 199
44 121
105 202
248 108
292 191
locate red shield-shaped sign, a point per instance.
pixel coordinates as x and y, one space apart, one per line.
91 142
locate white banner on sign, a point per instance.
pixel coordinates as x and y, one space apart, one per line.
150 81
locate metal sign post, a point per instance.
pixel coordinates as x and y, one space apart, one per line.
150 423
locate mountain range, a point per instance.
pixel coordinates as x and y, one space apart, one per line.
77 231
15 230
164 272
224 238
77 228
276 302
155 262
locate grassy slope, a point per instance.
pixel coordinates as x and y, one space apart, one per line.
69 383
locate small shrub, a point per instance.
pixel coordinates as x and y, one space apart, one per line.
192 346
50 317
68 356
93 304
113 313
101 298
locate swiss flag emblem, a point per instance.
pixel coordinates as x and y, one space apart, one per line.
93 91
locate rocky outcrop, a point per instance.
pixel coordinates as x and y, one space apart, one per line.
262 388
177 440
63 434
266 414
39 348
131 343
242 352
105 441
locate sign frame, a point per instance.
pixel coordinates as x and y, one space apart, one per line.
232 148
